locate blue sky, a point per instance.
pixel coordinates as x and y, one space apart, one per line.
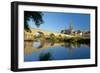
55 22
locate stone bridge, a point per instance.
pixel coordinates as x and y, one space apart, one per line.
30 35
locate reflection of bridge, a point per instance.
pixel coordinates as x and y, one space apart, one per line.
30 35
29 47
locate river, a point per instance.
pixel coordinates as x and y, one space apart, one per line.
43 51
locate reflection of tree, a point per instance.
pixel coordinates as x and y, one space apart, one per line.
45 56
71 46
79 31
36 16
52 43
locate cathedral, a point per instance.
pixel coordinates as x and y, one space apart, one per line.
69 31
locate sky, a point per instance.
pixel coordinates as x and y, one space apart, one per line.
57 21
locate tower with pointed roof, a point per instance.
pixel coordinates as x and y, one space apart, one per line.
71 27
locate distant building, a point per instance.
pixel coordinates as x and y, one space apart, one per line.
68 31
86 34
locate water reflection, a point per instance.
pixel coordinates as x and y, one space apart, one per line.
45 56
37 44
42 50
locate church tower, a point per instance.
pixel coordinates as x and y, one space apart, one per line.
71 27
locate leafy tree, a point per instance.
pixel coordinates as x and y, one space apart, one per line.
36 16
79 31
62 31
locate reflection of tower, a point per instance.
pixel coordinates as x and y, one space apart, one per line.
71 27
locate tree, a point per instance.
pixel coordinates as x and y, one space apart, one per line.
36 16
79 31
62 31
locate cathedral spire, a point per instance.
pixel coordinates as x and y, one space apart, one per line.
71 25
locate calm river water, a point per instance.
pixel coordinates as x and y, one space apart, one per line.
57 51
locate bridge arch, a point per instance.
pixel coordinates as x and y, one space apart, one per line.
52 35
39 34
